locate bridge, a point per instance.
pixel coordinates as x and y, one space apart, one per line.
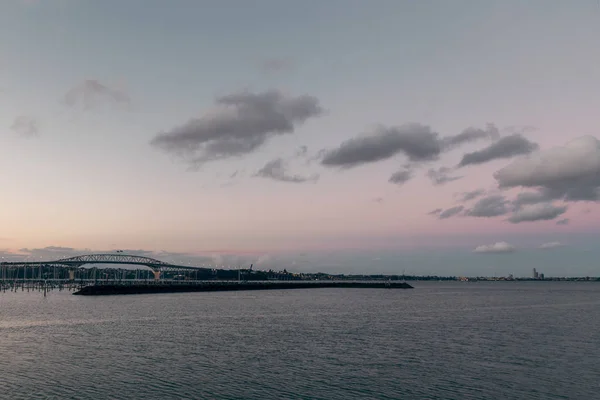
73 263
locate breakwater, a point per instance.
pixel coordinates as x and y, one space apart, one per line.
146 288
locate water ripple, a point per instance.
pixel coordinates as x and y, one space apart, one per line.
439 341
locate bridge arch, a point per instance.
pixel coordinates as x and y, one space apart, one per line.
126 259
156 266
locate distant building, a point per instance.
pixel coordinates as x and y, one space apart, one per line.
534 275
541 276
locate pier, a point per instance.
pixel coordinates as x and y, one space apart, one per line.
220 286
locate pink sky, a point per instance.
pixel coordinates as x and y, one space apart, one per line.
99 172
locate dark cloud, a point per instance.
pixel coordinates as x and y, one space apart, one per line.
417 142
401 177
450 212
91 92
569 173
468 196
441 176
471 135
491 206
25 126
435 212
276 169
242 123
564 221
506 147
537 212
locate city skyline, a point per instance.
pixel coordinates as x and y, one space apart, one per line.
304 135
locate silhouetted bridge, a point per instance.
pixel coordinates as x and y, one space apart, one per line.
73 263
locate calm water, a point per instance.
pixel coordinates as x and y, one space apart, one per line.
536 340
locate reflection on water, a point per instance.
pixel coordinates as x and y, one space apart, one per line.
536 340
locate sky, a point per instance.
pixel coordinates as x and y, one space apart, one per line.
434 137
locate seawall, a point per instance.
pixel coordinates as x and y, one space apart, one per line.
113 289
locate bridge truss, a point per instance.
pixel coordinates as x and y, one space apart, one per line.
105 259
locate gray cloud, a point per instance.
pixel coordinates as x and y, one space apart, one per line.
537 212
276 169
242 123
401 177
25 126
506 147
468 196
491 206
568 191
527 198
564 221
471 135
441 176
416 141
435 212
568 173
450 212
378 200
91 92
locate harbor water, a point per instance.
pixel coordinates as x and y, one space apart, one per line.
442 340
